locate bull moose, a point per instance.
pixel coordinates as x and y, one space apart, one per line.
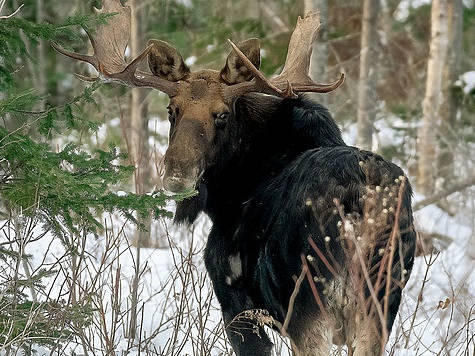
310 236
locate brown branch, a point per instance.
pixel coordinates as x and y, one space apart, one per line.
322 257
312 286
292 299
467 183
425 243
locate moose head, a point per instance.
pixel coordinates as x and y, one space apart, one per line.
201 101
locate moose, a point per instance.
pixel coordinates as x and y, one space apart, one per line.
309 234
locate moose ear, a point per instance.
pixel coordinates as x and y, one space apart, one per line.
235 71
166 62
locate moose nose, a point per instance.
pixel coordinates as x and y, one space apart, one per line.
179 176
177 184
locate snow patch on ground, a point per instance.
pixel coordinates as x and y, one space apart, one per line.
389 130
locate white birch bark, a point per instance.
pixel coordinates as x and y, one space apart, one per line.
433 97
367 97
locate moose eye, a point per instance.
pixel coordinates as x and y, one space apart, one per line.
220 120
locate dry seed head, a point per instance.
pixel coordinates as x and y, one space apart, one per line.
378 188
327 238
310 258
308 202
348 225
370 221
381 251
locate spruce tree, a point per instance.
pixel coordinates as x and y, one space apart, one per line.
64 191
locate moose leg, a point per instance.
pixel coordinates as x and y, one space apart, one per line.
245 334
368 340
242 321
313 338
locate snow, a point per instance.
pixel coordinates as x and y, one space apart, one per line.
467 82
191 60
389 130
449 277
402 11
114 122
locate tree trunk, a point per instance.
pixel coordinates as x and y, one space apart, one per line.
140 150
451 71
41 67
433 97
318 62
368 74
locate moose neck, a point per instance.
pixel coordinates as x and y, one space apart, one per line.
269 134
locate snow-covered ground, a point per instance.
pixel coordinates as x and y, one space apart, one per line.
173 281
450 277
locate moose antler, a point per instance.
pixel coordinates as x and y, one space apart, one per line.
294 77
109 43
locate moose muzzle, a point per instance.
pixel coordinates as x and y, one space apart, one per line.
185 157
178 180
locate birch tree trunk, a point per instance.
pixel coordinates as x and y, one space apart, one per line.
319 60
368 74
451 71
140 150
433 97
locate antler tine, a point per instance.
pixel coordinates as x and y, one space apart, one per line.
294 77
260 83
297 62
81 57
92 60
109 43
319 88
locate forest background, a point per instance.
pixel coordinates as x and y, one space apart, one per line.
89 260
